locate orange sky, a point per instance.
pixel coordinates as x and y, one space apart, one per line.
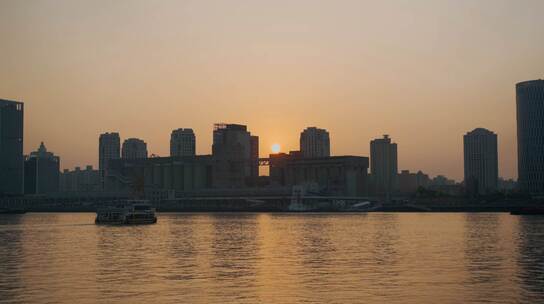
425 72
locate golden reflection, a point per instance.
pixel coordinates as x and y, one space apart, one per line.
274 258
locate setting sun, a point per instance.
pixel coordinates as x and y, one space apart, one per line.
276 148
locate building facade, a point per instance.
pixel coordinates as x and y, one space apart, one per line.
530 124
315 142
42 172
481 161
80 181
409 183
254 157
143 177
235 155
337 175
383 165
134 148
11 147
108 149
182 142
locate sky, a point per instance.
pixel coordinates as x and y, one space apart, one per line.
425 72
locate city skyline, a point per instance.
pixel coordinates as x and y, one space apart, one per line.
339 67
271 150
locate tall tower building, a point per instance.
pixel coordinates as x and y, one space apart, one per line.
182 142
134 148
314 142
384 165
481 161
42 172
530 120
108 148
233 155
11 147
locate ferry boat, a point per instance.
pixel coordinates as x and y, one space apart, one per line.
126 213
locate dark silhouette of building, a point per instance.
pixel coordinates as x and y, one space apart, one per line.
182 142
315 142
11 147
254 160
157 176
108 149
134 148
481 161
383 165
530 123
78 180
409 183
42 172
336 175
235 156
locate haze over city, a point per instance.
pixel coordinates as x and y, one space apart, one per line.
425 72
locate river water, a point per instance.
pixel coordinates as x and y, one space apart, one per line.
274 258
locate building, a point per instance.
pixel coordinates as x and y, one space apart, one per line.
42 173
481 161
145 177
409 183
134 148
337 175
108 149
383 165
80 181
11 147
235 155
254 157
530 123
315 142
182 142
441 180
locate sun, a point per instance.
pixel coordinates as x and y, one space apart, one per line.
276 148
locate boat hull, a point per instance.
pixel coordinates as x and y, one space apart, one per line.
126 222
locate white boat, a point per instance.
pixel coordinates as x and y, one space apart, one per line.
130 212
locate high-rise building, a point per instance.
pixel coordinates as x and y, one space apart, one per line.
530 120
11 147
383 165
42 172
182 142
481 161
233 155
108 149
314 143
134 148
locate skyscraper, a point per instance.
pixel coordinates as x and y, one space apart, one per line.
530 121
232 155
314 142
108 148
383 165
481 161
11 147
134 148
182 142
42 172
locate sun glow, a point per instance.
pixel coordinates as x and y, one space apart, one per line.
276 148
